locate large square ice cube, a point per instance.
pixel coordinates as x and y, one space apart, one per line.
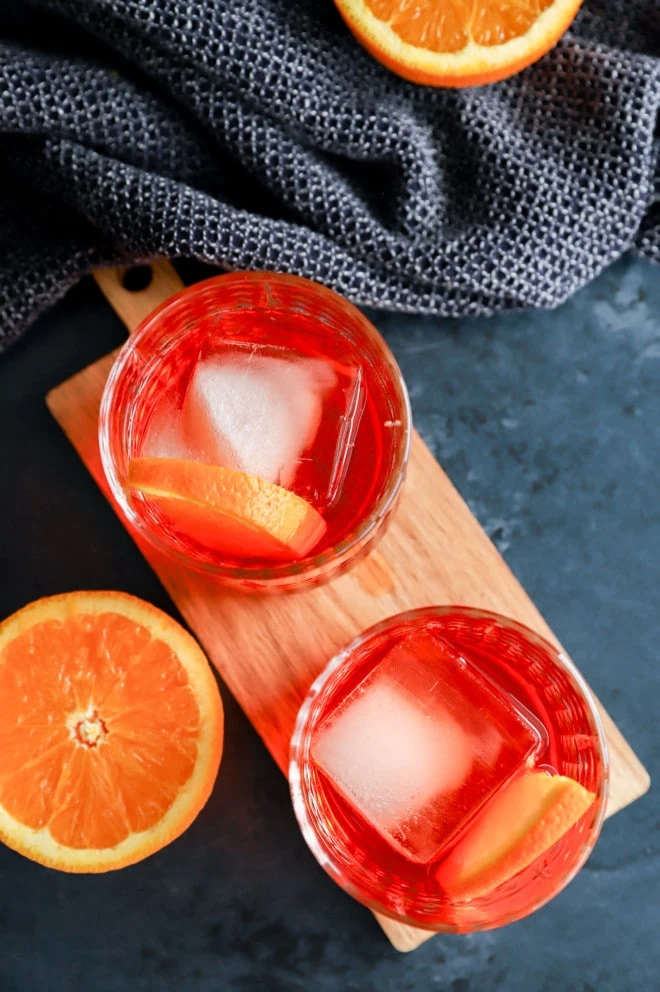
260 408
422 743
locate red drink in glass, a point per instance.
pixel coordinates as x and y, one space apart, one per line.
416 747
276 378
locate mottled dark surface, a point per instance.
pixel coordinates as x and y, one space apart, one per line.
549 424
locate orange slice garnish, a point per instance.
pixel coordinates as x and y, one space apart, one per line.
227 510
110 731
517 826
457 42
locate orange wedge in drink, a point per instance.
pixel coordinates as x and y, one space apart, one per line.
518 825
111 730
227 510
457 42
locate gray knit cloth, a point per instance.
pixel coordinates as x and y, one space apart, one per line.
258 134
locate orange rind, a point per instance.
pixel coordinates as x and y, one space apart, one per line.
229 511
456 42
111 733
523 821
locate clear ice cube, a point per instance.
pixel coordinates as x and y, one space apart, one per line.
259 409
422 743
164 437
255 412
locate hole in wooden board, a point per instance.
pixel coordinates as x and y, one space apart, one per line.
137 278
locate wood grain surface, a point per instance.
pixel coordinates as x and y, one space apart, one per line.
269 648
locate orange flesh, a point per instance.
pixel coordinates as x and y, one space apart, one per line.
98 729
227 510
448 26
517 826
458 42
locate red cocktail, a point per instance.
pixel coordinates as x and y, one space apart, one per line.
449 769
256 427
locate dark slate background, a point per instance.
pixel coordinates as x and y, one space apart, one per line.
549 424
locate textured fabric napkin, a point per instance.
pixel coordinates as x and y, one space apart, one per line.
258 134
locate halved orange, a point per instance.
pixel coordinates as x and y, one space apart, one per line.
111 730
457 42
228 510
520 824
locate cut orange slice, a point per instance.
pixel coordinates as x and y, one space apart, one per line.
457 42
110 731
521 823
227 510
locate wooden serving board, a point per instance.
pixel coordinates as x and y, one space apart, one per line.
269 648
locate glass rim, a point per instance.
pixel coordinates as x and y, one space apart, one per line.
298 794
276 574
